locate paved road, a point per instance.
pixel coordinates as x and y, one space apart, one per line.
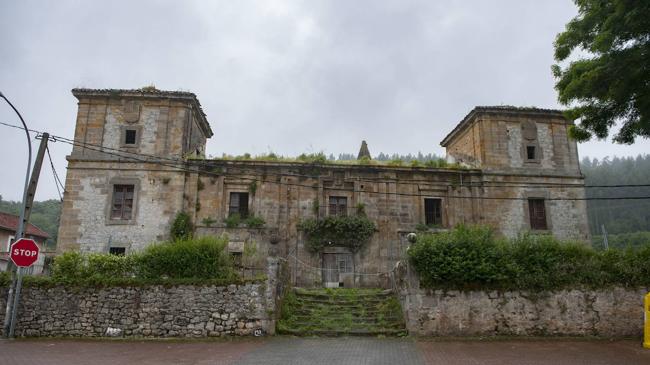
293 351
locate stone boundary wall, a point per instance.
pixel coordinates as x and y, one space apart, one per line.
613 312
155 311
148 311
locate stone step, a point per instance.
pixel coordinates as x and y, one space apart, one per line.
342 293
338 333
337 312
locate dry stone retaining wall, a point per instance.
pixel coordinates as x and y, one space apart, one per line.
153 311
612 312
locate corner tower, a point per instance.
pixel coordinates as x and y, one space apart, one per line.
126 175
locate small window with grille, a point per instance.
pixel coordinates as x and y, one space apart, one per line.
238 204
130 137
530 152
117 251
432 212
537 213
338 205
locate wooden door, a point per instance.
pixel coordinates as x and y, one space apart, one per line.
330 270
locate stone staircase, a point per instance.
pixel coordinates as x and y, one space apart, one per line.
340 312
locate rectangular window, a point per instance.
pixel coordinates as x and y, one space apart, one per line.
122 205
118 251
238 204
530 152
432 212
537 212
338 205
130 136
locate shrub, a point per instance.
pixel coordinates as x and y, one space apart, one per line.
472 257
102 265
181 227
68 267
204 258
462 258
201 260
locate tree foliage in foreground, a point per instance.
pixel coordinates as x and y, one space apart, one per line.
612 82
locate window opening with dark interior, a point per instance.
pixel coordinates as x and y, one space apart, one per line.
338 205
537 212
118 251
432 212
530 152
130 136
238 204
122 207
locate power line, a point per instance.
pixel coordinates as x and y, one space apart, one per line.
57 181
484 184
176 168
158 160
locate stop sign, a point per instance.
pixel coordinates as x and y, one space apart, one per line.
24 252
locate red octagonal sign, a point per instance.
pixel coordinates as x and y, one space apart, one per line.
24 252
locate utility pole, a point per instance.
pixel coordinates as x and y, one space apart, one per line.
31 192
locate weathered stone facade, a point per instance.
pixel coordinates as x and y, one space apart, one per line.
494 144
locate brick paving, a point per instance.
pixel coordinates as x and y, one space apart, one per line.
330 351
534 352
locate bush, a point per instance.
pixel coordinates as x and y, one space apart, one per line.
473 258
101 265
181 227
204 258
68 267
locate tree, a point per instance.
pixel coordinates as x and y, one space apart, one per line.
611 83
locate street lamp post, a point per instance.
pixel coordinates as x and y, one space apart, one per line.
20 232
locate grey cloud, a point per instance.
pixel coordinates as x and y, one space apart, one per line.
290 76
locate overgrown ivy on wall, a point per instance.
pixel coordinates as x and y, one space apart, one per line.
352 232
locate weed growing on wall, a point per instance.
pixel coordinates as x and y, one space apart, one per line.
181 227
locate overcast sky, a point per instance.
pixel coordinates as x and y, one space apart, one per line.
282 76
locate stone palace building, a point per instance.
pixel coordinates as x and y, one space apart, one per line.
137 162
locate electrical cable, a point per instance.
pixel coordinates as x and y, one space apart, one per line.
174 163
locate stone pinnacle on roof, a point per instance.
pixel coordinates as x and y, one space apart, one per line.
363 151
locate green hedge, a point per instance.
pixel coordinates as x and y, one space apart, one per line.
474 258
191 261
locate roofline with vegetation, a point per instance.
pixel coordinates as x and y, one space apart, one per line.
352 164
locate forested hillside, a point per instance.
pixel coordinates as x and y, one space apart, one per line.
618 216
45 215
